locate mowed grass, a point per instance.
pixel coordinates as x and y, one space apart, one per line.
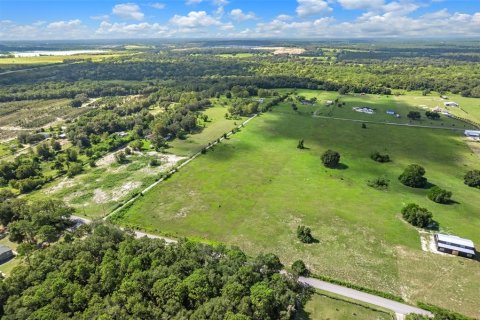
57 59
216 126
469 107
256 188
323 306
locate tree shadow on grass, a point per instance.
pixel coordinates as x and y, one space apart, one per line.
341 166
434 226
301 314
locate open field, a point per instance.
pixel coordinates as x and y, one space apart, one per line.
57 59
469 107
256 188
214 128
99 190
327 306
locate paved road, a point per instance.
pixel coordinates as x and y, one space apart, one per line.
400 309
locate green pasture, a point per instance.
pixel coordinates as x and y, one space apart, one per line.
58 59
327 306
254 189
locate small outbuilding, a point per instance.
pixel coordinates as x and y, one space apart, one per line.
455 245
391 112
328 102
450 104
5 253
472 133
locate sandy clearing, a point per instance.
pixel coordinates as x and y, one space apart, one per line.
428 243
64 183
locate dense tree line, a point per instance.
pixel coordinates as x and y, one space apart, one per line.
111 275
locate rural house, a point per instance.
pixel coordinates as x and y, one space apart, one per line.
5 253
455 245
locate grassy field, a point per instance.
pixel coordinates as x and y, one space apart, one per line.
469 107
326 306
99 190
57 59
214 128
256 188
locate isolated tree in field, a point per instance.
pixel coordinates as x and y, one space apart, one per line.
472 178
74 169
364 126
414 115
417 216
294 107
376 156
300 145
304 234
413 176
439 195
432 115
76 103
299 268
331 158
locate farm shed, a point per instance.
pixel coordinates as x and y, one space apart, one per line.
5 253
391 112
450 104
455 245
472 133
328 102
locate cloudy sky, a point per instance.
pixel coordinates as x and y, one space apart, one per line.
105 19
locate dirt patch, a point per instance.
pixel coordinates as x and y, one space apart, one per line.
65 183
118 193
167 161
108 159
428 243
474 146
283 50
100 196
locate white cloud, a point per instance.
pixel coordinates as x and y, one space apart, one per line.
100 17
143 29
157 5
64 24
190 2
194 19
239 15
312 7
361 4
128 11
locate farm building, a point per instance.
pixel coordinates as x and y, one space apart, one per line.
455 245
328 102
307 102
472 133
364 110
5 253
391 112
450 104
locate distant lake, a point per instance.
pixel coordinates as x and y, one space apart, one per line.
53 53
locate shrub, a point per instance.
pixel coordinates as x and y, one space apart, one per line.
472 178
121 157
376 156
74 169
331 159
414 115
364 126
413 176
379 183
299 268
154 162
417 216
439 195
304 234
432 115
300 145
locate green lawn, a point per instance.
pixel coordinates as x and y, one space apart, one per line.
214 128
256 188
326 306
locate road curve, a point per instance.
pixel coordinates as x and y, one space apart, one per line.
400 309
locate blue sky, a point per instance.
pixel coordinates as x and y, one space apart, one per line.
103 19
